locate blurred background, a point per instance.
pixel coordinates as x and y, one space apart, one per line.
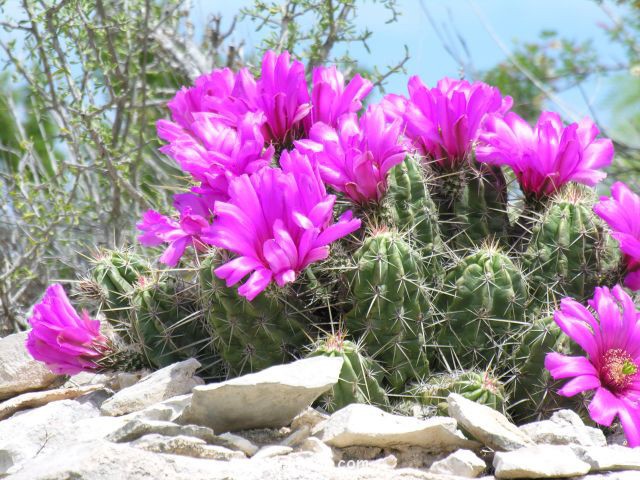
83 82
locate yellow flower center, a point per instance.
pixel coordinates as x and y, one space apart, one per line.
618 369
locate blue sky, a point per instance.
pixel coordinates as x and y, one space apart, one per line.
509 19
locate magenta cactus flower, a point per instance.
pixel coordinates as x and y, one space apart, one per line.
444 122
355 158
187 231
622 212
548 156
611 340
65 341
277 221
331 99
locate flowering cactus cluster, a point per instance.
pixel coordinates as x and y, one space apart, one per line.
389 234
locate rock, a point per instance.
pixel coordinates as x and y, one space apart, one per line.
366 425
89 378
137 428
614 457
272 451
19 372
187 446
168 410
318 447
540 461
236 442
463 463
124 380
37 399
297 437
270 398
565 427
486 424
176 379
110 461
309 417
49 428
102 460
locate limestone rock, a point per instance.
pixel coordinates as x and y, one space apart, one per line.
19 372
565 427
236 442
270 398
137 428
171 381
187 446
613 457
272 451
297 437
463 463
168 410
540 461
366 425
37 399
309 417
49 428
486 424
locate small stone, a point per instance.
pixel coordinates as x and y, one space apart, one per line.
168 410
310 417
38 399
390 461
236 442
176 379
272 451
366 425
554 433
186 446
137 428
19 372
267 399
613 457
89 378
540 461
463 463
318 447
297 437
124 380
486 424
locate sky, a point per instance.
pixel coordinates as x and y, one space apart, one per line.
509 20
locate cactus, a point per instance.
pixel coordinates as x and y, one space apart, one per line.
251 336
360 376
391 306
481 387
483 305
570 251
531 395
472 205
168 324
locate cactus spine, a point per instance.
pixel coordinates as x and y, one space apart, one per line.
390 306
360 377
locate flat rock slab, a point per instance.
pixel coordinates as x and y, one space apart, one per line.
486 424
49 428
614 457
171 381
19 372
186 446
267 399
541 461
137 428
369 426
38 399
